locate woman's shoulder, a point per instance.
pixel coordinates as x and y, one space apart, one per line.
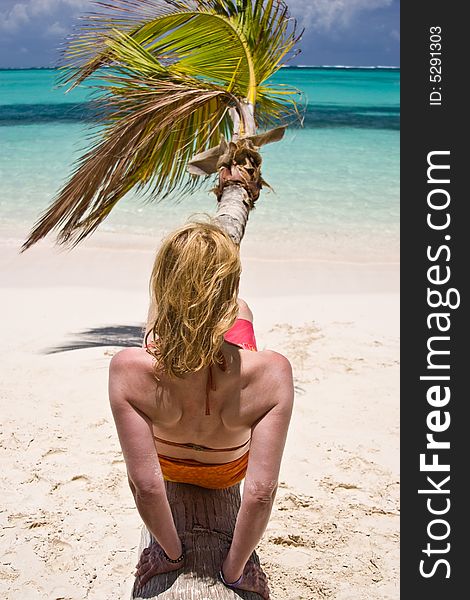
130 358
270 375
274 360
272 370
131 371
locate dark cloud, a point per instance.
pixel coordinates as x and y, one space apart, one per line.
349 32
31 31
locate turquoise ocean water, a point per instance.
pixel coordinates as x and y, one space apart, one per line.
336 180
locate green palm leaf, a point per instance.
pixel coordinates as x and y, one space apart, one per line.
168 72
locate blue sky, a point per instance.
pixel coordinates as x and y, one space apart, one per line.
338 32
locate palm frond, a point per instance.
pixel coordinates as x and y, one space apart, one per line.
156 131
187 33
168 72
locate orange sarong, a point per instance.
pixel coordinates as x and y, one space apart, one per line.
209 475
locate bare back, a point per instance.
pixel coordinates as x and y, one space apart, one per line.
240 396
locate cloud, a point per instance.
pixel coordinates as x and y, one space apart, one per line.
21 13
314 14
56 29
328 14
337 31
12 19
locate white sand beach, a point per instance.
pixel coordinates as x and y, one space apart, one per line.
69 526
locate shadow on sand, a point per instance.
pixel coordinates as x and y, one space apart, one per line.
122 336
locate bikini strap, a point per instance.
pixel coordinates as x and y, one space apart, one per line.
199 446
210 386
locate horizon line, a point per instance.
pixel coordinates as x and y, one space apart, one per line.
50 68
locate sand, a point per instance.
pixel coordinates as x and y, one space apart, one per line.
69 526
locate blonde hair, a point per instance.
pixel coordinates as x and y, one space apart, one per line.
194 290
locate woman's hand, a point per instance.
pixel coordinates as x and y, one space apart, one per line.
153 562
253 580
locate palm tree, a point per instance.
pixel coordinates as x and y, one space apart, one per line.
177 79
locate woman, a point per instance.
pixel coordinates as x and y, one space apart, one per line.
197 404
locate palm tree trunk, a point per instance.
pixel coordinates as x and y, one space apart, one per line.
233 209
240 178
205 520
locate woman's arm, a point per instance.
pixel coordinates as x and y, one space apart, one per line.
136 438
266 448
